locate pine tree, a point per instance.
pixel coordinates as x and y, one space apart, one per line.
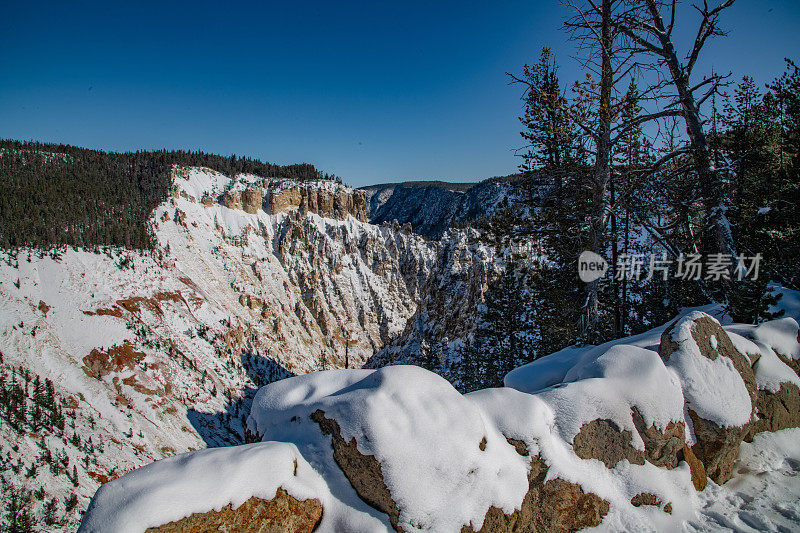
547 131
751 302
50 512
470 376
19 518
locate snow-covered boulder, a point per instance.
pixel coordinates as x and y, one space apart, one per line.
407 441
601 413
771 347
256 486
719 389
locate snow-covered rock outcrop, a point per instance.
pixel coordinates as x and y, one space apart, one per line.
399 448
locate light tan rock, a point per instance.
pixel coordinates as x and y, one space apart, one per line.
252 199
232 200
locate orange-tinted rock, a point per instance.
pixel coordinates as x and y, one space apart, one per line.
281 514
117 358
696 468
252 199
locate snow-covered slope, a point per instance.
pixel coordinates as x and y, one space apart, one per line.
158 353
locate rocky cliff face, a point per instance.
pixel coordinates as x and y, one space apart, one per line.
315 283
311 199
449 307
324 198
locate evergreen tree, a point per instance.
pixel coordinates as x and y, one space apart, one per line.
546 127
19 518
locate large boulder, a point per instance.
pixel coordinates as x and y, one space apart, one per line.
719 389
779 389
778 410
772 348
600 411
549 505
262 487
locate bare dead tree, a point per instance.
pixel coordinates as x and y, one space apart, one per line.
651 35
605 51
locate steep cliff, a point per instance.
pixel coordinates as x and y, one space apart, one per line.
273 195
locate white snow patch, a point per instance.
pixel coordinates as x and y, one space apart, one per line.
780 335
764 495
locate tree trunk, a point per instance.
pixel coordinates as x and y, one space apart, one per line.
602 168
710 182
614 259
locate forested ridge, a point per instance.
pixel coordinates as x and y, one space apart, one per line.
54 195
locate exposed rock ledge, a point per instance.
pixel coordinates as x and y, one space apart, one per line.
338 202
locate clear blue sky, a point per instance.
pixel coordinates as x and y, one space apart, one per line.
372 91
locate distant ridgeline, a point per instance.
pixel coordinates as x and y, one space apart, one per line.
432 207
53 195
